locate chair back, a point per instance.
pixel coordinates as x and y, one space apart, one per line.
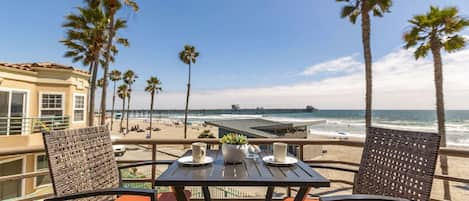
398 164
81 160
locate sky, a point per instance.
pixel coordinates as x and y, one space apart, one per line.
269 53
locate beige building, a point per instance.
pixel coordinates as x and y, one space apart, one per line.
35 97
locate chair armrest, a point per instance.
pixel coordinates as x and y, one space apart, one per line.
110 191
361 197
334 168
157 162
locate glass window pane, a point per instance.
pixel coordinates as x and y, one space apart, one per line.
78 115
4 105
10 189
50 101
42 162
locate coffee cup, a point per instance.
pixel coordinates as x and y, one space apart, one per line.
199 150
280 152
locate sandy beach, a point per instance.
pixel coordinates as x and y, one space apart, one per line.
170 130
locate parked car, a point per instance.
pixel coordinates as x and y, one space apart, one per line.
119 150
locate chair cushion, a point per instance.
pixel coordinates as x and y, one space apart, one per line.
306 199
167 196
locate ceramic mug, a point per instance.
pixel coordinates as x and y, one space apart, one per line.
280 152
199 150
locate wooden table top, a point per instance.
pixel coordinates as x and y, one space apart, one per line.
252 172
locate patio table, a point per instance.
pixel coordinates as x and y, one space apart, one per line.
251 172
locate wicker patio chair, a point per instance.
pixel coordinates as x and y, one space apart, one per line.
395 165
82 166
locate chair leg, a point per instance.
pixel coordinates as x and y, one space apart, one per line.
180 196
270 193
206 192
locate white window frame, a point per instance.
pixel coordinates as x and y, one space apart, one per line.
10 91
23 158
84 107
35 170
51 93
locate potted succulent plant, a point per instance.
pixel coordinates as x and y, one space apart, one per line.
234 147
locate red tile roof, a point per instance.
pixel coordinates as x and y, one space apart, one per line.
31 66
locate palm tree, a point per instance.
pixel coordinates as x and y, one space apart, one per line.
434 31
100 84
123 92
111 7
188 56
129 79
352 10
85 39
153 86
114 76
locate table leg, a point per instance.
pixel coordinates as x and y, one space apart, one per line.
180 196
270 193
300 196
206 192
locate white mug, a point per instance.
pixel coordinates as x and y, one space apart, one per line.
199 150
280 152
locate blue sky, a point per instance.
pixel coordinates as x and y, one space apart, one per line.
243 44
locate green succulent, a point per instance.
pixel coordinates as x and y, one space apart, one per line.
233 138
206 134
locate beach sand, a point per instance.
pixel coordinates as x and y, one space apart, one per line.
459 167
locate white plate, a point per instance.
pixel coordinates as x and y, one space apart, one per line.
270 160
188 161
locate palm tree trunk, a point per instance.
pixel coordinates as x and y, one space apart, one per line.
113 101
128 109
88 120
93 91
122 115
151 110
106 64
368 62
440 110
187 101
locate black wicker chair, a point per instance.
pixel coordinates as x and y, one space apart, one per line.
395 166
82 166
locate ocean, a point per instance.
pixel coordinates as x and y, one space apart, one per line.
340 122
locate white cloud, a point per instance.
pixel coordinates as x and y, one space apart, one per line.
399 82
346 64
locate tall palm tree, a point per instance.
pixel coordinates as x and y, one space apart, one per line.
352 10
123 92
111 7
100 84
432 32
114 76
129 79
153 86
85 39
188 55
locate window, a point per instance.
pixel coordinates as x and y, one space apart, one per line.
42 164
11 189
51 105
78 108
12 112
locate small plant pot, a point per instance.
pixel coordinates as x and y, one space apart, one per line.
234 153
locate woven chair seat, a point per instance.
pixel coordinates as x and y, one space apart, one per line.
168 196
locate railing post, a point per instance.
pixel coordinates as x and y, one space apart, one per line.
301 152
153 167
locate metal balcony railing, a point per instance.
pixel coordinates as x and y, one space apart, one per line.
26 126
159 146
